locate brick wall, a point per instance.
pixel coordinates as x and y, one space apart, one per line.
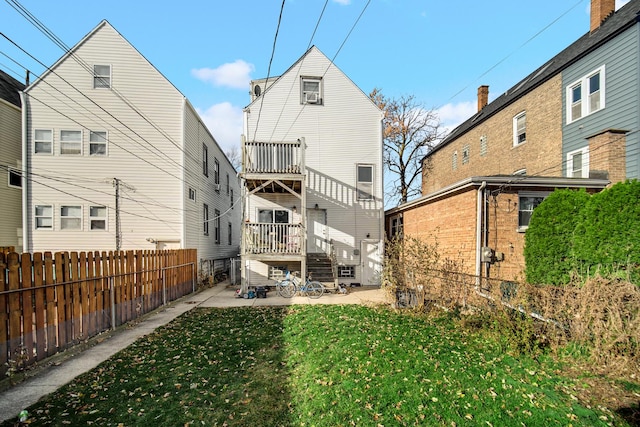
607 154
541 154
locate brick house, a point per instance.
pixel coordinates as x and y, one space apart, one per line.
571 123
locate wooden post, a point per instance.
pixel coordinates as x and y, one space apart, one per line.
27 308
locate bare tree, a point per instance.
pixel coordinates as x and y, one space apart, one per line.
409 132
235 157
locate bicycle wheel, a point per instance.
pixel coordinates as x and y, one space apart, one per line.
286 288
315 289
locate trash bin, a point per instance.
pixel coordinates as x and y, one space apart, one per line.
261 292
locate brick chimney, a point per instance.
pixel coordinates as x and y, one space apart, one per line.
601 10
483 96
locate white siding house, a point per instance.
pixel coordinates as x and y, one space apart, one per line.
117 158
312 174
10 163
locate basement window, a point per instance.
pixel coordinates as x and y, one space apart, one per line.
346 271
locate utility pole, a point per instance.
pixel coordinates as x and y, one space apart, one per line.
116 184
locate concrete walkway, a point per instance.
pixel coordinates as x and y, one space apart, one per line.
63 368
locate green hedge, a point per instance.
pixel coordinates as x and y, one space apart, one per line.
548 247
572 232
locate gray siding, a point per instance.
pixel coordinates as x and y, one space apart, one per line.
10 156
621 60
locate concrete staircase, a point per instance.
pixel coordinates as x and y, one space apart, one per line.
320 268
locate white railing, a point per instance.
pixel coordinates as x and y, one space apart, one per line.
261 238
272 157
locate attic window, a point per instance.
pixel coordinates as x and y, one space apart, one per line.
465 154
102 76
311 90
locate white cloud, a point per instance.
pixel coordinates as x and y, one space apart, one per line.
236 74
451 115
224 121
620 3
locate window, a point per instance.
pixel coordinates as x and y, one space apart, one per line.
586 96
454 160
71 217
465 154
101 76
70 142
346 271
44 217
14 178
396 226
578 163
483 145
230 233
97 218
192 194
527 202
205 160
205 216
231 196
228 183
216 173
97 143
43 141
364 186
216 224
270 216
520 129
311 90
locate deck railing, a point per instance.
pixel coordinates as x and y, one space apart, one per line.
273 157
268 238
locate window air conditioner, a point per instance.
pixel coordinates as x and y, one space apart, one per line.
312 98
216 187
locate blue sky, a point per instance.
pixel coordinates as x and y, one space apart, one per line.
438 51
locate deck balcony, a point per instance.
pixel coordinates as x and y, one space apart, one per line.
273 239
266 166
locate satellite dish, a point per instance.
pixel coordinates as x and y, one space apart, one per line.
256 90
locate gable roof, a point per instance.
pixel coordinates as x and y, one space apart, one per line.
313 48
621 20
10 88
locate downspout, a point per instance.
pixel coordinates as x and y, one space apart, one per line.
479 216
26 247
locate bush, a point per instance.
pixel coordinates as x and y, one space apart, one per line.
549 239
609 232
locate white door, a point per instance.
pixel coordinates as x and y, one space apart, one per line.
371 262
316 231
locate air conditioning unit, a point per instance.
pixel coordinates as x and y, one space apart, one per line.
216 187
311 98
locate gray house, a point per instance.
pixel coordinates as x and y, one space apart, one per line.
10 162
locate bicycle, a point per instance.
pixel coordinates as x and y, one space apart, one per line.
292 284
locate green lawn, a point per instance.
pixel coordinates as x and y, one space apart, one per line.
317 366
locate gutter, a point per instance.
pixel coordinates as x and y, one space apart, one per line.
25 181
479 216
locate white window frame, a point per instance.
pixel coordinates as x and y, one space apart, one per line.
586 105
205 160
584 170
205 215
517 131
216 173
230 232
216 225
98 139
41 141
43 212
101 80
65 143
528 194
364 189
192 194
95 217
14 172
71 217
309 95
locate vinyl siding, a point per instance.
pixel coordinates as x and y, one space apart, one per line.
621 60
143 117
10 156
343 131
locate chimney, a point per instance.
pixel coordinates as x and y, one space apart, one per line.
601 10
483 96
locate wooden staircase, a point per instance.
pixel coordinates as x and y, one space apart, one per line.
320 268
